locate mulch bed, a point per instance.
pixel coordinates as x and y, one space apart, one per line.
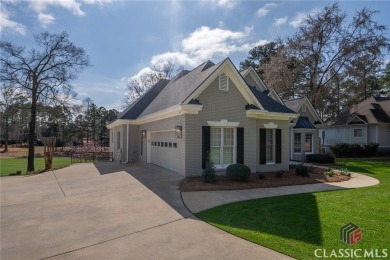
288 178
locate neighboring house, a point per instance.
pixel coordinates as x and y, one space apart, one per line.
367 122
304 131
211 109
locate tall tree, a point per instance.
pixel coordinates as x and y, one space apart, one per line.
137 86
42 73
325 43
259 56
10 103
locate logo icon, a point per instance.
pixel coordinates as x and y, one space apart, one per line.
350 234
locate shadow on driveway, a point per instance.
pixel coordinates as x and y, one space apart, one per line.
160 181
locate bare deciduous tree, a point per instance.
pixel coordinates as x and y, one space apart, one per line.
325 43
137 86
42 74
10 103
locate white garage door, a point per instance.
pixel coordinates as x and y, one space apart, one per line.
164 150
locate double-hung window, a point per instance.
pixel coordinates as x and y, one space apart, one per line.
297 142
308 143
222 146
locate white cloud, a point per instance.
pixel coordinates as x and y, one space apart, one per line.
226 3
46 19
41 8
280 21
301 16
206 43
7 24
265 9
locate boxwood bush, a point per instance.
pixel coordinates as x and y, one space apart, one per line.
302 170
238 172
320 158
354 150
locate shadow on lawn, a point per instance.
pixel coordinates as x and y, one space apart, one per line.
295 218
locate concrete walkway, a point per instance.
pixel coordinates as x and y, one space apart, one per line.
109 211
197 201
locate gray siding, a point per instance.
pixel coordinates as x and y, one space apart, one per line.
384 136
284 125
219 105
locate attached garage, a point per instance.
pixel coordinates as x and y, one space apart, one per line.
164 150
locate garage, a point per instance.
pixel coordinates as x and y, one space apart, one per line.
164 150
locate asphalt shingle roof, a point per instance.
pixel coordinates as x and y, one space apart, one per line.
135 109
294 104
178 90
372 110
269 103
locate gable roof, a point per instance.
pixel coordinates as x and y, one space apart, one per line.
178 90
371 111
294 104
269 103
135 109
184 88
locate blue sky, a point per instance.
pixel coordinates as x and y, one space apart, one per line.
124 38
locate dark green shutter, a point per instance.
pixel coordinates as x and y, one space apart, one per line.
240 145
262 145
278 146
205 144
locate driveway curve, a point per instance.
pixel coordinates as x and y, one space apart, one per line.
109 211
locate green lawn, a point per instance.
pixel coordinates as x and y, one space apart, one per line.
296 225
8 165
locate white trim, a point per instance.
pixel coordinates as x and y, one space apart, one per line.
264 114
223 123
311 109
148 147
270 125
364 123
256 78
274 94
228 68
224 166
117 122
162 114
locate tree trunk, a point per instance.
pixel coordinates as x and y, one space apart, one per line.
31 130
6 135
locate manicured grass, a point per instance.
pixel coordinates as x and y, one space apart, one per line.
296 225
11 165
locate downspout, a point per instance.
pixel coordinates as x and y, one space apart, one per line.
127 145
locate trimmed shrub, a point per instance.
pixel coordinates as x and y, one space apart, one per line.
209 175
238 172
370 149
345 172
320 158
279 174
302 170
354 150
330 173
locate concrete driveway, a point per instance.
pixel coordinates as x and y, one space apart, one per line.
109 211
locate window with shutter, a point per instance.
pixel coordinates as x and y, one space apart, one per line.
223 82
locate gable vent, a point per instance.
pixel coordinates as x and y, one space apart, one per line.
223 82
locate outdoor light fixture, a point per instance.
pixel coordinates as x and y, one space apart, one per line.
143 133
178 131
